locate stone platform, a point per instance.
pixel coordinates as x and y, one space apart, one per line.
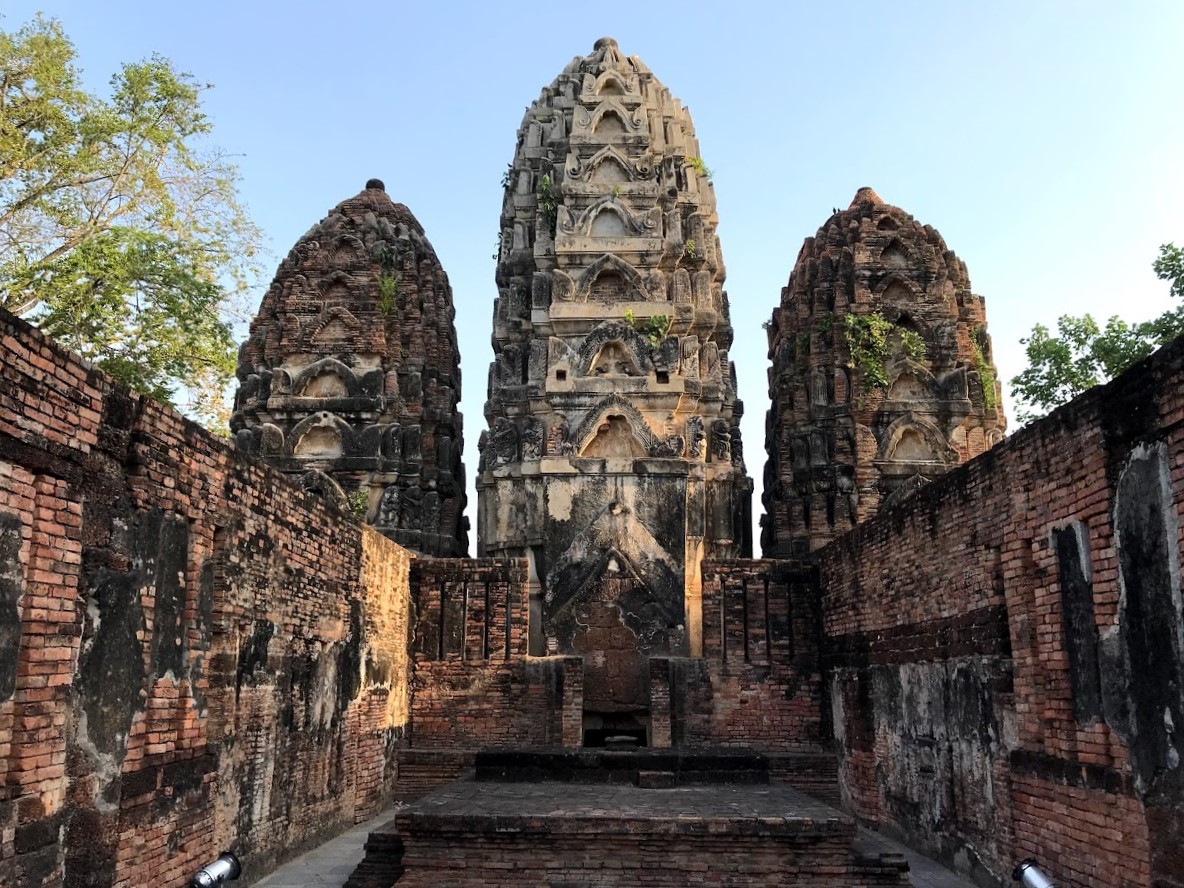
594 817
483 833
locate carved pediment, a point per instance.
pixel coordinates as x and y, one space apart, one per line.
320 436
914 439
334 329
610 217
609 118
606 424
615 535
631 351
622 283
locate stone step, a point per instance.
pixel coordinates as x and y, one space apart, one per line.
624 767
382 864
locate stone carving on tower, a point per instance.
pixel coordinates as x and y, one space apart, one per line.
612 453
351 375
882 375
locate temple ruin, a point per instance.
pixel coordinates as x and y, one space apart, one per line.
350 377
882 375
970 644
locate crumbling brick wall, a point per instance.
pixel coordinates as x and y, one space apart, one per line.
1005 649
195 653
474 685
758 683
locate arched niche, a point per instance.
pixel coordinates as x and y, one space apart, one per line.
336 288
609 170
628 348
894 254
887 223
912 439
333 327
325 384
610 84
614 438
622 287
609 125
320 436
608 286
319 442
910 385
347 251
596 423
326 378
912 445
897 292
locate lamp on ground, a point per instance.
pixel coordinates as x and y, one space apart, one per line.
225 869
1030 875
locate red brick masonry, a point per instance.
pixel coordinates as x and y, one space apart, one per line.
1005 649
194 652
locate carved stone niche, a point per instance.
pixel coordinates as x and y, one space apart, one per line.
615 439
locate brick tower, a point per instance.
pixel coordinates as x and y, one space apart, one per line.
351 371
882 375
612 460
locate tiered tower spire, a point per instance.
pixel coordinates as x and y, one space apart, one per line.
351 375
613 446
882 375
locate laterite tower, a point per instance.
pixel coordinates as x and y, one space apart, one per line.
613 459
882 375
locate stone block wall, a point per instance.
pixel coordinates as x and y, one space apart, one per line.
1005 648
474 685
195 653
758 684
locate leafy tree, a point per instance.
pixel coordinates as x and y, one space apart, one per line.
121 233
1083 354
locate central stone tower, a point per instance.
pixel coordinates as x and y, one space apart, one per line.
613 459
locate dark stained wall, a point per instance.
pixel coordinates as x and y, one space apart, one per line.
195 652
1005 648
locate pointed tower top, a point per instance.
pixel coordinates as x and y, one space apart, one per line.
866 195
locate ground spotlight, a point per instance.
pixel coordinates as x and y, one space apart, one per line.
225 869
1030 875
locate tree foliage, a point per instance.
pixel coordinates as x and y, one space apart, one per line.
1083 354
121 232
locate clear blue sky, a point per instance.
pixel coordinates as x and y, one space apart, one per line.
1043 139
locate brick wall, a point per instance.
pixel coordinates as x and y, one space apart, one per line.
474 685
195 653
1005 649
758 684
